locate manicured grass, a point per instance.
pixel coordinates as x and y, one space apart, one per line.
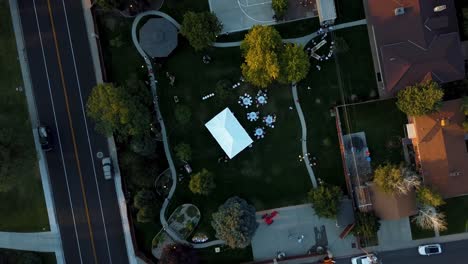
456 211
14 256
177 8
383 134
349 10
269 174
23 208
328 89
144 234
226 256
419 233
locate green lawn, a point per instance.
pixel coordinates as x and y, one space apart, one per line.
23 208
456 211
419 233
269 174
15 256
383 134
328 89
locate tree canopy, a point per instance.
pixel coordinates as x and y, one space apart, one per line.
326 200
178 254
395 179
280 7
427 196
420 99
145 202
260 49
235 222
201 29
202 182
366 225
294 64
183 151
118 112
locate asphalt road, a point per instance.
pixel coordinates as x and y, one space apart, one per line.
61 69
452 253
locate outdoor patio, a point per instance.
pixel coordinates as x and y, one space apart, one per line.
295 231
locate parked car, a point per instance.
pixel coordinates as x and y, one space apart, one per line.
45 137
365 259
107 168
432 249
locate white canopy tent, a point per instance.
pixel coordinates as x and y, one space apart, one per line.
229 133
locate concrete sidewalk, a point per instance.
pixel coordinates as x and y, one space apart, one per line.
41 241
38 241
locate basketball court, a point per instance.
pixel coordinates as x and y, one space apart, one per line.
238 15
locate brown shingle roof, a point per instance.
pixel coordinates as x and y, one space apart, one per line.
442 150
416 43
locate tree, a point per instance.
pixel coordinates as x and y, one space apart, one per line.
139 173
144 146
366 225
428 197
115 110
395 179
429 218
202 182
420 99
145 202
326 200
182 114
183 151
178 254
201 29
235 222
280 7
260 48
294 64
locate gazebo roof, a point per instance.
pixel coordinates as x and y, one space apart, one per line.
158 37
229 133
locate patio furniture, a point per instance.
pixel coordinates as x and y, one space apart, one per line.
269 120
245 100
252 116
259 132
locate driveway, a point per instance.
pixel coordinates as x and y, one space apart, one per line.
289 226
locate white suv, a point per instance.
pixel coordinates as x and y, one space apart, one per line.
365 259
107 168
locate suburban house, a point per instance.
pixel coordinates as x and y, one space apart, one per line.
441 149
412 41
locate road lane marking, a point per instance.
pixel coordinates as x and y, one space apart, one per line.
57 130
70 122
87 131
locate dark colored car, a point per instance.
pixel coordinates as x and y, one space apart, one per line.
45 137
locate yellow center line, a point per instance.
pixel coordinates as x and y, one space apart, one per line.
83 192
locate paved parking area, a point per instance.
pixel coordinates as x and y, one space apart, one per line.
237 15
289 226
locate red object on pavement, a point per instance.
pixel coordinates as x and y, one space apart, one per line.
264 216
269 221
273 214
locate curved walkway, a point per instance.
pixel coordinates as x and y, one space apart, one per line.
304 135
153 84
167 150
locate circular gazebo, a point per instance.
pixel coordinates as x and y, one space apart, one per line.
158 37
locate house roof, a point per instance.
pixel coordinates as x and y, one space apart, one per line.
229 133
390 206
417 44
326 10
442 151
158 37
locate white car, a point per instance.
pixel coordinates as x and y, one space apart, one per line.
432 249
107 168
365 259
